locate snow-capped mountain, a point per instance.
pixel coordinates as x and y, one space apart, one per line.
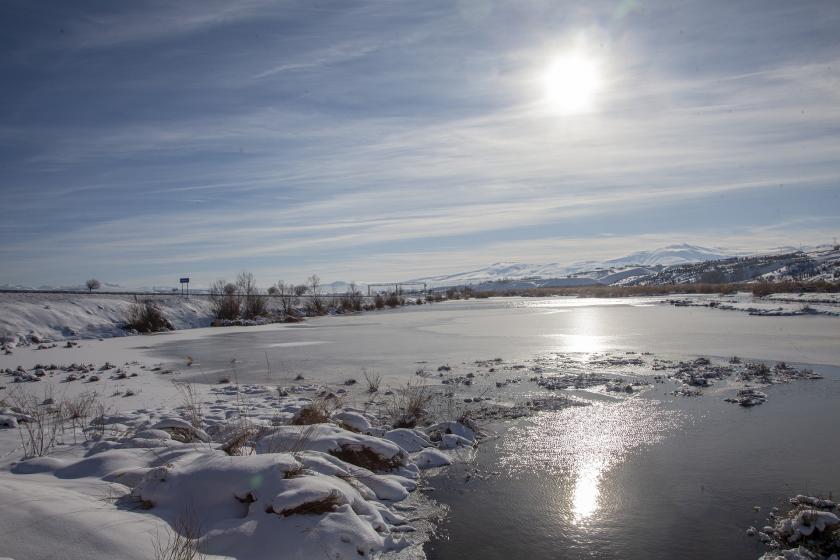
664 256
671 255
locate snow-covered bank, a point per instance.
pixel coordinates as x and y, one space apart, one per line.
118 462
774 305
46 318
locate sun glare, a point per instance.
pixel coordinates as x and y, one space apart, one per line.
572 83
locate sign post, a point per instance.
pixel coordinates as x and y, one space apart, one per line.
185 286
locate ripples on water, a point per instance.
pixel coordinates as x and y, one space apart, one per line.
582 443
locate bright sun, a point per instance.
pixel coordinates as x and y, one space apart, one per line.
571 84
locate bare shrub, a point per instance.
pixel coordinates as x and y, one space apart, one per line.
224 300
393 300
373 381
78 412
288 296
180 542
352 299
42 430
253 303
98 425
146 316
408 405
379 301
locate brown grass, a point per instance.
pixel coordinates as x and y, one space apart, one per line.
365 457
317 507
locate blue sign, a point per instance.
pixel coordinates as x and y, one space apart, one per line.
185 280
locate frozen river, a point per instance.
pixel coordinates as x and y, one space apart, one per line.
654 476
392 342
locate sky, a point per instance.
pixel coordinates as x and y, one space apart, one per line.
388 140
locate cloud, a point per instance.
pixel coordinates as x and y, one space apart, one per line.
364 134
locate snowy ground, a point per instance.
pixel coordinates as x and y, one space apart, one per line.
775 305
113 460
806 298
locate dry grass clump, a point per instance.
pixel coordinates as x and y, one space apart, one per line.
373 381
191 404
327 504
316 412
408 405
367 458
240 441
147 317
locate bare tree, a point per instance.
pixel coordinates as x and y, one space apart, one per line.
253 303
288 295
316 302
224 300
352 298
93 284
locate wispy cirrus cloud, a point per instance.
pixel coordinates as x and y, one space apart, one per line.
346 137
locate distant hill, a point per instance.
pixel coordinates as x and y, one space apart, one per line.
681 263
539 273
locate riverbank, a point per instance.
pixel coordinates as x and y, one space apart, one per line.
126 460
43 319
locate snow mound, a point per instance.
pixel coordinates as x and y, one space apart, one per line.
437 431
273 499
409 440
370 452
806 522
353 420
431 458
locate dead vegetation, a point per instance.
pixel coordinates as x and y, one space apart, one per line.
317 412
373 380
43 422
191 404
180 542
146 317
408 404
326 504
240 440
367 458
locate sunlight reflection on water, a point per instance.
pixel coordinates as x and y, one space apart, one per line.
561 302
580 444
580 343
586 492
